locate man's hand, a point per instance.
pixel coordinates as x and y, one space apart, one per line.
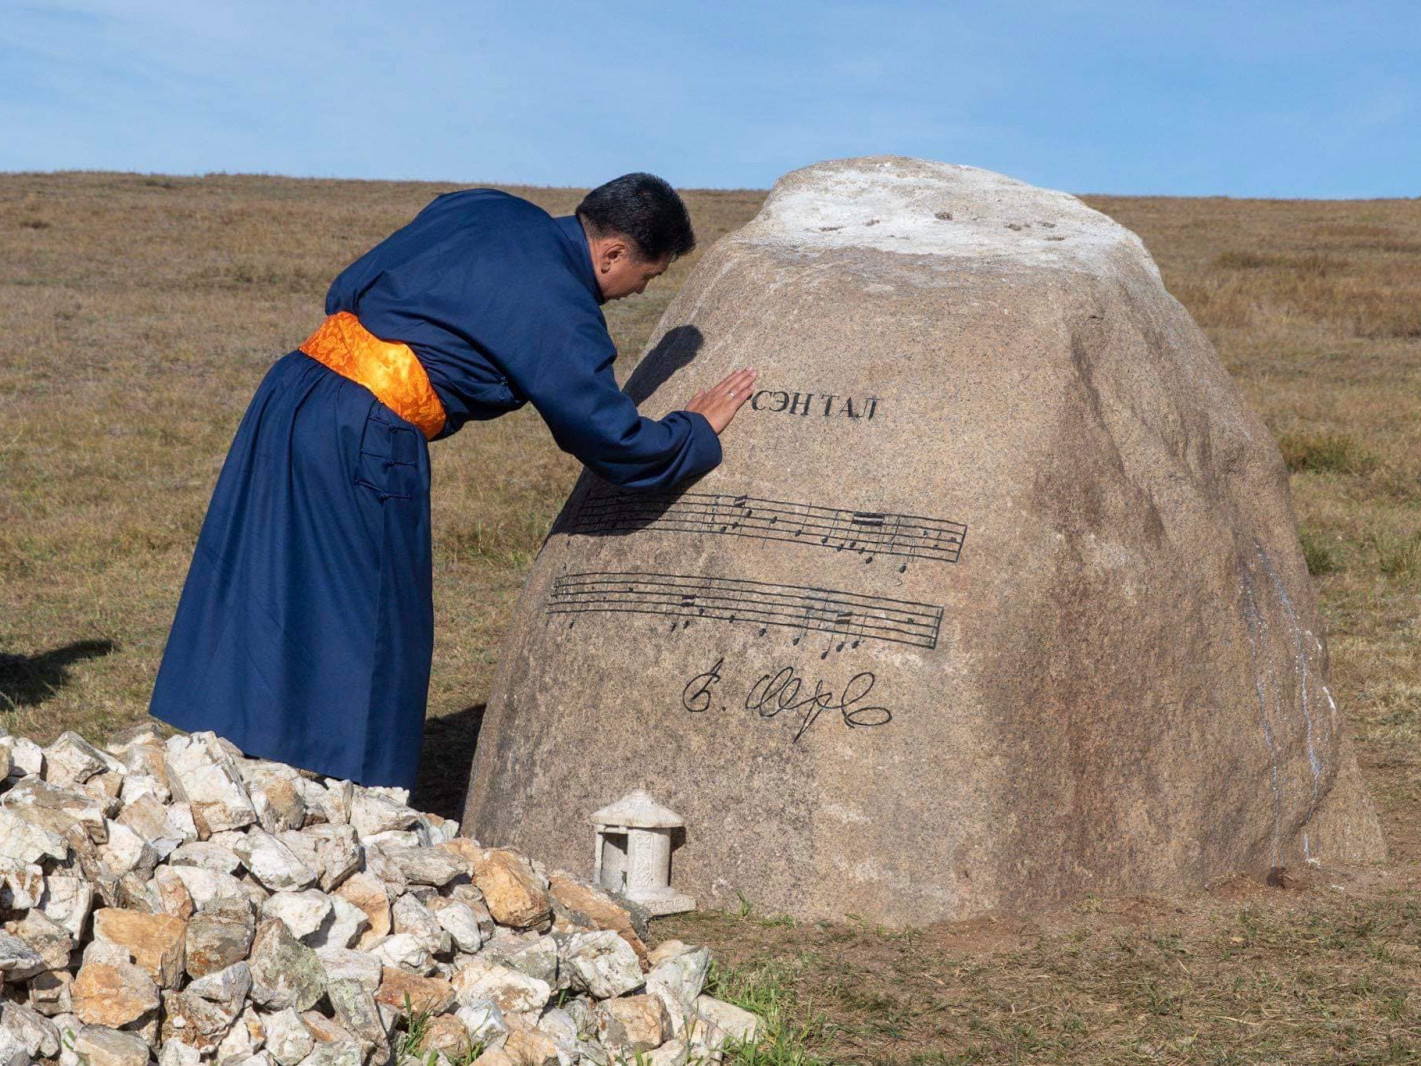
720 402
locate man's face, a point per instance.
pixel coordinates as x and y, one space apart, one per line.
621 271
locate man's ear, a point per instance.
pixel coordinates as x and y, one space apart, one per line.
613 251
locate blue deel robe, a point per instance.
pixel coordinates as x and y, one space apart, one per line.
305 627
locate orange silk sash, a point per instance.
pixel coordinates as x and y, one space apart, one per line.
389 369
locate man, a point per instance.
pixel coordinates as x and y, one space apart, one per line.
305 628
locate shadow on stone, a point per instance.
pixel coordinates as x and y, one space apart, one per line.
444 761
676 349
29 680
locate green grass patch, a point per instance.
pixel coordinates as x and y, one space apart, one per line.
1319 551
1392 712
1326 452
788 1031
1243 261
1309 263
1398 555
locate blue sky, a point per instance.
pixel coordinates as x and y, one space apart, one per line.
1288 98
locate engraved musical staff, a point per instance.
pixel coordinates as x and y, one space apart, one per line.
867 533
846 617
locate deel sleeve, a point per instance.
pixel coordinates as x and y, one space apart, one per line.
563 365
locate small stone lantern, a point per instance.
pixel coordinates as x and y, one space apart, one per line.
634 853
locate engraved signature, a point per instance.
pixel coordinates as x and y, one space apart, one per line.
786 692
696 696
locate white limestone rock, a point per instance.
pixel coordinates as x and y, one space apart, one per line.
23 842
71 760
538 957
373 811
285 972
404 950
560 1027
335 1053
19 961
413 917
126 851
205 885
195 1021
704 1040
105 953
678 975
207 855
512 991
334 804
272 863
97 1045
180 814
73 814
176 1053
202 774
338 852
219 935
21 884
26 757
287 1037
52 941
378 865
244 1041
279 801
601 963
393 838
735 1022
228 986
348 963
483 1018
426 865
303 913
67 901
38 1034
136 786
632 1025
147 817
146 759
459 921
245 989
342 927
355 1009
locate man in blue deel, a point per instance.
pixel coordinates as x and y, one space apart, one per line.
305 628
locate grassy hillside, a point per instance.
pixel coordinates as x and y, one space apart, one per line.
137 314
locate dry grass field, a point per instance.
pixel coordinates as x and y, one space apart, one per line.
138 313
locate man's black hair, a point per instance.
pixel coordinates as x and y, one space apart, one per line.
643 208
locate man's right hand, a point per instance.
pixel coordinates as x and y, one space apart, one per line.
720 402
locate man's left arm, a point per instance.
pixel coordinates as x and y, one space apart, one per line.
565 370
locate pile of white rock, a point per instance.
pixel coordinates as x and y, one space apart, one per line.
173 900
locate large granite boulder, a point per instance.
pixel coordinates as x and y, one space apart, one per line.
996 601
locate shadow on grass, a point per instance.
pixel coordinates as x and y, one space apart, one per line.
29 680
444 761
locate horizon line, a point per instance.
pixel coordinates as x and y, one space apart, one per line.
461 183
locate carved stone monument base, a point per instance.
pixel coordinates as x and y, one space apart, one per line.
996 601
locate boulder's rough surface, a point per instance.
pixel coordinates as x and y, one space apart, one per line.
996 601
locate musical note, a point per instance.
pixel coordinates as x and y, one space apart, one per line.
846 617
868 533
